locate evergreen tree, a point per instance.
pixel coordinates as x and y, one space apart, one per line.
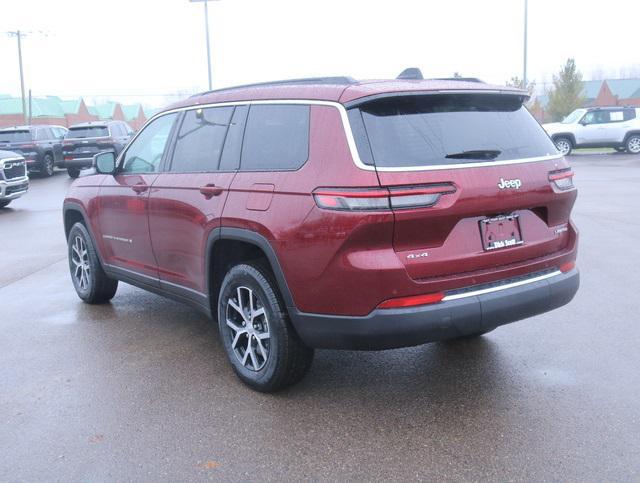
566 94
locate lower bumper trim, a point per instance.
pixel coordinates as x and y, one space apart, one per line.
473 313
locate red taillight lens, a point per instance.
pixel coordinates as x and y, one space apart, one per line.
105 141
563 179
397 198
567 267
67 143
412 301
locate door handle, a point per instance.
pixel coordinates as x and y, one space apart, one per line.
140 187
210 190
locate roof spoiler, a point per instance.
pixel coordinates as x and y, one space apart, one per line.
411 73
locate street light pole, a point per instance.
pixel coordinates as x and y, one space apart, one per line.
19 36
526 8
206 27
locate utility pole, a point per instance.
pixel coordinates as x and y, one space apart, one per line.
19 36
206 27
524 76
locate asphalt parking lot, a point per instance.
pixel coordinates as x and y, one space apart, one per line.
140 389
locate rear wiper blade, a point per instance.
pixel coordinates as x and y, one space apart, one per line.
475 154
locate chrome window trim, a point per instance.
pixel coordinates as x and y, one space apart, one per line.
498 288
350 139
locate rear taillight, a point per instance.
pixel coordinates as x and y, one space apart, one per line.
563 179
567 267
396 198
412 301
106 141
68 143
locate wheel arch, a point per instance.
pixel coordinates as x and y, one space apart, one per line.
228 246
635 132
73 213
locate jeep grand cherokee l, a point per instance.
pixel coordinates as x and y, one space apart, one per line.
331 213
14 181
40 145
598 127
84 140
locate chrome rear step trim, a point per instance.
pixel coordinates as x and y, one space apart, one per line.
501 287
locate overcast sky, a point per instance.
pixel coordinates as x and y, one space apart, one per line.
136 49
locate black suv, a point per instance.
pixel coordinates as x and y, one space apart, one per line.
41 145
86 139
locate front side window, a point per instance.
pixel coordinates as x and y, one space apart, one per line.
596 117
200 140
145 153
276 137
629 114
443 129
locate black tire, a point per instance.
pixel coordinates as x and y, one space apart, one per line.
620 149
4 203
92 285
633 144
73 172
274 356
564 145
47 166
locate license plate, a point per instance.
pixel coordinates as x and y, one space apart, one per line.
500 232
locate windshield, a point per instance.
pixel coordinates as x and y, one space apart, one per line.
574 117
429 130
87 132
15 136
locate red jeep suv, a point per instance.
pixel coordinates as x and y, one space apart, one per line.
333 213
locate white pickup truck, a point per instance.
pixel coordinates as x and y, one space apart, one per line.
14 181
598 127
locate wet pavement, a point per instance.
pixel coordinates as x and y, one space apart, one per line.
140 389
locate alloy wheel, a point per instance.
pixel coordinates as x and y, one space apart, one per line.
563 146
80 260
248 326
634 145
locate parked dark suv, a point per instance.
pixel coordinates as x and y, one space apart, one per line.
331 213
40 145
86 139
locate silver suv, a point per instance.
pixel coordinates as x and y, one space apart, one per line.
14 181
598 127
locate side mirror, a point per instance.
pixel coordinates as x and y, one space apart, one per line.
105 162
583 122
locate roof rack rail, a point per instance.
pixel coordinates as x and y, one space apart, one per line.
462 79
339 80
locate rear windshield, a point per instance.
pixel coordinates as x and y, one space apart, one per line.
87 132
428 130
14 136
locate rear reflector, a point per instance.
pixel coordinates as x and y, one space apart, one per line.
563 179
397 198
567 267
413 301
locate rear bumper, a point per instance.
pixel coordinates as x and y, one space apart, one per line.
457 315
10 190
75 163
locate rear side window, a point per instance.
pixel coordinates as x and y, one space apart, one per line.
276 137
14 136
87 132
42 134
445 129
199 142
